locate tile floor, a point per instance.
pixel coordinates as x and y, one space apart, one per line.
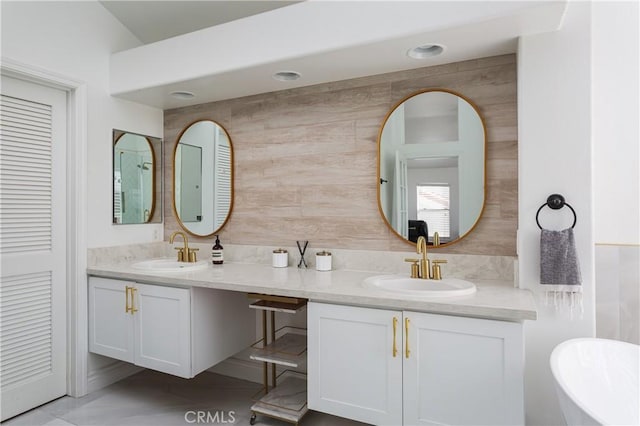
152 398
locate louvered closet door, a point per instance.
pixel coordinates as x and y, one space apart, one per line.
32 245
222 167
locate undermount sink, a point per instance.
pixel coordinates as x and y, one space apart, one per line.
597 381
445 287
170 265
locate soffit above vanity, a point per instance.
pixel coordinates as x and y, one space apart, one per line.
151 21
324 41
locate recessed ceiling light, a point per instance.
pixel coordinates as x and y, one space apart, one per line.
181 94
425 51
286 76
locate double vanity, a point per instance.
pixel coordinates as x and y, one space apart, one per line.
382 346
378 350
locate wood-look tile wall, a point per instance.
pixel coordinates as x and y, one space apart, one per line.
305 159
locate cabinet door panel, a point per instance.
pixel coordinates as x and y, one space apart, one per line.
110 327
163 329
463 371
352 372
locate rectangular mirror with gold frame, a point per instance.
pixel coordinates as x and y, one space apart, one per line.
137 178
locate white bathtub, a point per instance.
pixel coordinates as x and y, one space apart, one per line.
597 381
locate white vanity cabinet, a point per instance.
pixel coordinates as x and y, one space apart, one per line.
390 367
179 331
110 326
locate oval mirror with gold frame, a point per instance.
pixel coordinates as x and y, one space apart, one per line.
432 167
203 178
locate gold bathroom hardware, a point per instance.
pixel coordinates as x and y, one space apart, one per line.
436 239
184 254
395 343
406 338
421 248
415 269
126 298
192 255
129 306
133 303
436 272
180 253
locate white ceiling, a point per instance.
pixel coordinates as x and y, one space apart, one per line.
322 40
152 21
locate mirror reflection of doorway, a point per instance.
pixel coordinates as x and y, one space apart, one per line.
191 183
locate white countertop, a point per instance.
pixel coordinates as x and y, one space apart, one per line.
493 299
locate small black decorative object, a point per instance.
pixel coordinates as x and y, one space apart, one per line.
302 250
556 202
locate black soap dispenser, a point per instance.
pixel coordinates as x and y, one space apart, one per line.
217 256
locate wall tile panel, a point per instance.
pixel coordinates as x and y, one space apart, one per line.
306 158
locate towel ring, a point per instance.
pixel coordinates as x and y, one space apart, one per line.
556 202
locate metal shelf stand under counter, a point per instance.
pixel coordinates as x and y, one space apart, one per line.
287 398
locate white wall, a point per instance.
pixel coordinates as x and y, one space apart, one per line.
616 154
618 293
616 135
76 39
555 144
578 123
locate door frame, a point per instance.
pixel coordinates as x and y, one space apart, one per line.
77 329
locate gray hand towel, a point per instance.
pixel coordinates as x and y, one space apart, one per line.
558 258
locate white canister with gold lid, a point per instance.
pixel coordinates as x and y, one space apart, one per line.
280 258
323 261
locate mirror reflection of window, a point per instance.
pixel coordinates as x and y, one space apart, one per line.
433 207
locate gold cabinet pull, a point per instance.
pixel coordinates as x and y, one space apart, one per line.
406 338
133 303
127 308
395 343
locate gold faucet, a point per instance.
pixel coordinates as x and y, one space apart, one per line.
183 252
436 272
415 269
421 248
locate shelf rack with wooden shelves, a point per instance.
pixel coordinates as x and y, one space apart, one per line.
287 398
